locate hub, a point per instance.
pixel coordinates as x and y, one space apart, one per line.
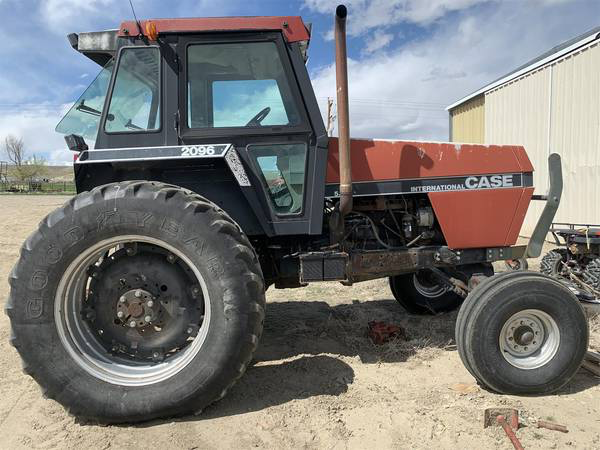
135 308
524 335
155 308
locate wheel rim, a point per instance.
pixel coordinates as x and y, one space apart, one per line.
529 339
82 341
426 287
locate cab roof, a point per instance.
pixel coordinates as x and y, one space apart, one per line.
292 27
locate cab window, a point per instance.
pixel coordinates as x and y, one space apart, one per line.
135 102
238 85
282 167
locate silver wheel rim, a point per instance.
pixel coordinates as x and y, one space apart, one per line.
428 290
529 339
80 341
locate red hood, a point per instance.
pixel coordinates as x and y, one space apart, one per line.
378 160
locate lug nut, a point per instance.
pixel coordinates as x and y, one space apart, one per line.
189 330
132 324
122 299
150 303
120 314
138 293
147 318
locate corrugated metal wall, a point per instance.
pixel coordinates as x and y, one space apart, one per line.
555 109
467 121
575 133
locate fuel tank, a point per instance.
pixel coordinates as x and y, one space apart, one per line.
479 193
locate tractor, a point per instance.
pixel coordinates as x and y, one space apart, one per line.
212 177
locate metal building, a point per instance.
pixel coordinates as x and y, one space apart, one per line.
550 104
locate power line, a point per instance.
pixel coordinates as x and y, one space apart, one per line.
394 102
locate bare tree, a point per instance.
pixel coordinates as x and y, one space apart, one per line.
15 150
23 168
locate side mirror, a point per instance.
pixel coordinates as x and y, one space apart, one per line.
76 143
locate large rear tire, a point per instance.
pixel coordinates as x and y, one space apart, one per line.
134 301
522 333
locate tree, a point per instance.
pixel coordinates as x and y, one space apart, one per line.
15 150
24 168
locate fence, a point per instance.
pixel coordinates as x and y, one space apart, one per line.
38 187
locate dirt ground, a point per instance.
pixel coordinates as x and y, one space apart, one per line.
318 381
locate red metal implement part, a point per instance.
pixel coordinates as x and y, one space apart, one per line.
381 332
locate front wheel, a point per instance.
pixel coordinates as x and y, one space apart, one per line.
423 293
134 301
522 333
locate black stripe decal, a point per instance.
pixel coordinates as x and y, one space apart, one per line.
443 184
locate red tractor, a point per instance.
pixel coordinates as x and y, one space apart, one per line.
212 177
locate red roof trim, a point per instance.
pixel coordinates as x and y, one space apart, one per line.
292 27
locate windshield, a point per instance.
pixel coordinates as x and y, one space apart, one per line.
84 116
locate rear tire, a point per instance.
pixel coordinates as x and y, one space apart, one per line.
551 263
591 274
124 384
522 333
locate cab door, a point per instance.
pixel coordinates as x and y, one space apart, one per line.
252 90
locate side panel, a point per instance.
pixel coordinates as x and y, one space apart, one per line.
481 218
378 160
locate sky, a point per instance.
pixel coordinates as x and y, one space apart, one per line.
408 59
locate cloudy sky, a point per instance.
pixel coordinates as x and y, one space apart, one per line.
408 58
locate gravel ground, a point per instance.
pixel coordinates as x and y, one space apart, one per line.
317 382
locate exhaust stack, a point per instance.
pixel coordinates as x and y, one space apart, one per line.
341 72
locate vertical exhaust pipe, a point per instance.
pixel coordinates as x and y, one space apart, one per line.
341 73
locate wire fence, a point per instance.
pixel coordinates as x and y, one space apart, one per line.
37 187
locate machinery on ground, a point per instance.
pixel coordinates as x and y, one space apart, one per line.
577 254
213 177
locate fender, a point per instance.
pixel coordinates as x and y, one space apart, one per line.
214 170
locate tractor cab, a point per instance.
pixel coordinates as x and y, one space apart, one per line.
179 87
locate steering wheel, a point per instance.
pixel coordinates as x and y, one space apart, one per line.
257 119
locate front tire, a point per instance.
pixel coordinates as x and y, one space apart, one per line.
104 334
522 333
420 293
